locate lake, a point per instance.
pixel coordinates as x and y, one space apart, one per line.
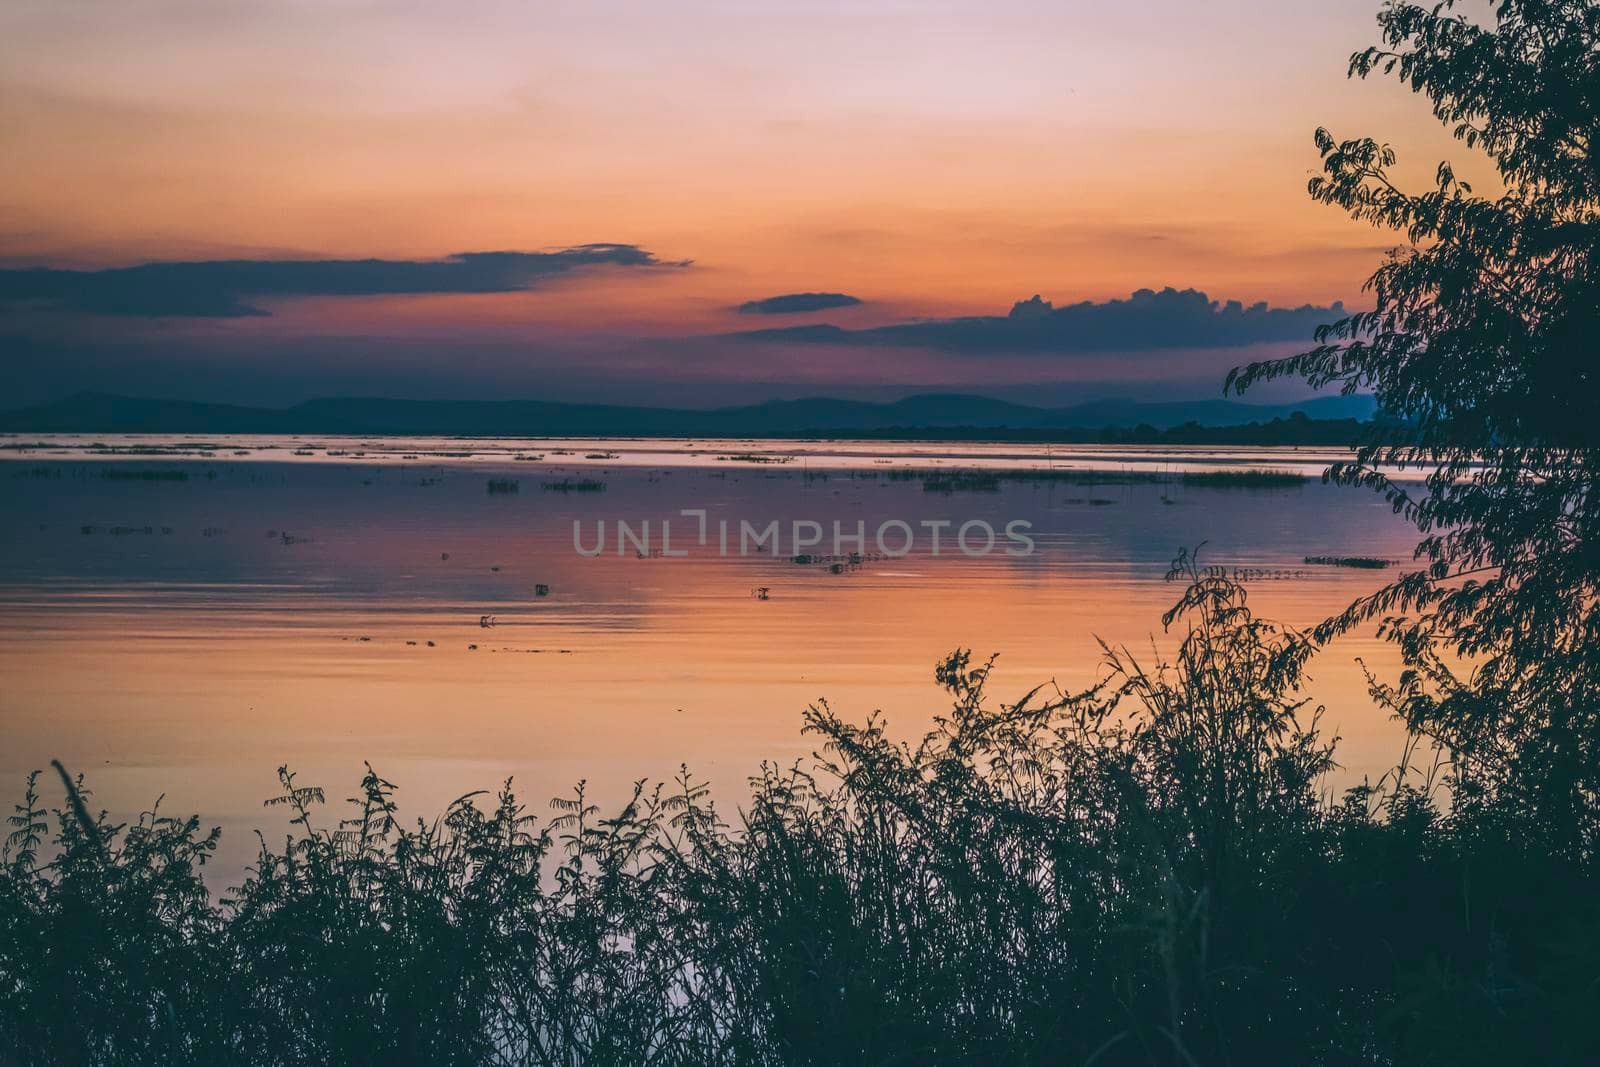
181 615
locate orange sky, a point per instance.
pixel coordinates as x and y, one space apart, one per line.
931 158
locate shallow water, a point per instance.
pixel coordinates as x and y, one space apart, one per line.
187 632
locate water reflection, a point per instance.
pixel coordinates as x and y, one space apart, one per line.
185 635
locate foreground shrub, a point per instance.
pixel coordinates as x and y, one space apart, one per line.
1149 872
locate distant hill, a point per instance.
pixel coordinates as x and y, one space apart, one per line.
820 416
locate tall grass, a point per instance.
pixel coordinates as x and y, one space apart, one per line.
1148 872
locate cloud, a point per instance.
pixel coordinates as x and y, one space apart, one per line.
1147 320
225 288
797 303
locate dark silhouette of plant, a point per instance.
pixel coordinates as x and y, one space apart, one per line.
1483 338
1146 872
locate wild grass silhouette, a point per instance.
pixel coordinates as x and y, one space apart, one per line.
1148 872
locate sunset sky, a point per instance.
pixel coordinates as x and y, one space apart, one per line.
930 160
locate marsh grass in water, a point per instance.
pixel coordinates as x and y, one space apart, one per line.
1243 479
574 485
123 474
990 481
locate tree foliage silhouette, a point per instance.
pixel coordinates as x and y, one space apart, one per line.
1483 339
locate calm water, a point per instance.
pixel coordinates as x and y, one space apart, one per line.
320 602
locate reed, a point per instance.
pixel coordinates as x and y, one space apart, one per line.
1248 478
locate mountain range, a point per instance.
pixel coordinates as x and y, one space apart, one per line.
90 412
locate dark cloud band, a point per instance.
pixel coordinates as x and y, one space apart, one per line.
798 303
1170 318
224 288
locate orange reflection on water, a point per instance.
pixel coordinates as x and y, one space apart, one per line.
321 614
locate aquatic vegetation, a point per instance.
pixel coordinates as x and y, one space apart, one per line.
149 450
123 474
574 485
963 481
1087 476
940 480
503 486
1244 479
